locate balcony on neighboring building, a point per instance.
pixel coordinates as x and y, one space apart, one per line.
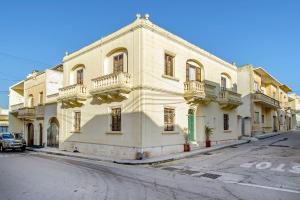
72 95
265 100
229 99
39 112
26 113
15 108
199 92
111 87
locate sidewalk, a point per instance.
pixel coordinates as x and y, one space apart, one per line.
267 135
159 159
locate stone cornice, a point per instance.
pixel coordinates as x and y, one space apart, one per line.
142 23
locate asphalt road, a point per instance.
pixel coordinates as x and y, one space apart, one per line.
267 169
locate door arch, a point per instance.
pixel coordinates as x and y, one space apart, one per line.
53 133
30 134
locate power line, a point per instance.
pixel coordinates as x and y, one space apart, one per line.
22 58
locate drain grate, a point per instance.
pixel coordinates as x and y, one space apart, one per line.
209 175
171 169
188 172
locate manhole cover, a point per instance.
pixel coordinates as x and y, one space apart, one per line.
211 176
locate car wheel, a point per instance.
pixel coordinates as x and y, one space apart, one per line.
1 149
23 149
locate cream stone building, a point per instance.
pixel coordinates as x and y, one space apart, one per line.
294 103
3 120
139 89
33 107
265 102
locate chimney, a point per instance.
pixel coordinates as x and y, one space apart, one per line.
146 16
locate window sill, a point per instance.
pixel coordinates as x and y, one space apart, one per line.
170 132
170 77
114 132
227 131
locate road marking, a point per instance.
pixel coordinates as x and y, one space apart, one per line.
295 168
266 187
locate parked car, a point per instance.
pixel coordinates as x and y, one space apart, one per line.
8 141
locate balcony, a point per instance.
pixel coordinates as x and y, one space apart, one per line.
73 95
16 107
265 100
26 113
198 92
39 112
229 99
111 87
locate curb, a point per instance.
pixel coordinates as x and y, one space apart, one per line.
143 162
177 157
265 136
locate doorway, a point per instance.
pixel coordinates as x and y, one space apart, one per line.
30 134
41 134
53 133
191 125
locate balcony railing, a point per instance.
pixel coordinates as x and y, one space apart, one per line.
195 91
75 92
16 107
229 99
266 100
26 113
112 84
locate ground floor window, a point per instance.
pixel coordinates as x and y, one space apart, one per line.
77 121
169 118
226 121
263 119
116 119
3 129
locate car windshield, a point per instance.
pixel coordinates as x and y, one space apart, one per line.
7 136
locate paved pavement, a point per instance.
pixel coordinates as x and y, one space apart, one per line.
225 174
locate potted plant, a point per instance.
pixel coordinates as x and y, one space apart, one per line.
208 133
186 145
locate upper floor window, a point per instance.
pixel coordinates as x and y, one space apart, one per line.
41 98
169 119
118 63
169 65
79 76
193 73
30 101
256 87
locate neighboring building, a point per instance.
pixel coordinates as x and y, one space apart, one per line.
138 89
294 103
3 120
265 101
33 107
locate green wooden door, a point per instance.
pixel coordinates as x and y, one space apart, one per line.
191 125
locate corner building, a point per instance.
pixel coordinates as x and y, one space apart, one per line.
139 89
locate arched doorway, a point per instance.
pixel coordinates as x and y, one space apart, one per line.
30 134
53 133
191 125
41 134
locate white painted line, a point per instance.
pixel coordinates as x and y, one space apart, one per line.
266 187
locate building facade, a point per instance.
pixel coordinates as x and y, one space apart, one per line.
33 107
294 103
3 120
139 89
265 102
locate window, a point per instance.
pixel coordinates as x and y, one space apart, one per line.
118 63
169 116
193 73
116 119
223 83
79 76
30 101
3 129
256 86
169 65
256 117
77 121
41 98
263 119
226 122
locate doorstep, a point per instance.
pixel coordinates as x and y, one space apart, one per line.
159 159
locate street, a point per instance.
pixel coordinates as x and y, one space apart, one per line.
266 169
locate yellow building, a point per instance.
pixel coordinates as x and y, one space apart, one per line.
265 101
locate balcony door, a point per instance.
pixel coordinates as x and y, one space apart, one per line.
223 83
79 76
118 63
193 73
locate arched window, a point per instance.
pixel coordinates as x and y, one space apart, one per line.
194 71
116 61
77 74
30 101
225 81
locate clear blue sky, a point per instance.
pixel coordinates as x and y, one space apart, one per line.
35 34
